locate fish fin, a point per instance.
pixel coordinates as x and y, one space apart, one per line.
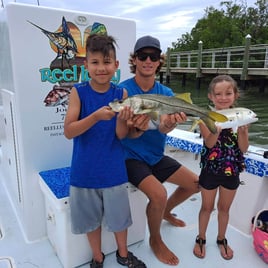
235 129
185 96
154 115
195 123
211 108
210 124
217 116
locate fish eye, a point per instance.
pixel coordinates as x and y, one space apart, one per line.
121 101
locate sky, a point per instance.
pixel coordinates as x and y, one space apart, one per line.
166 20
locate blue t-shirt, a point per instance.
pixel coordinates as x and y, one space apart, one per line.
149 147
98 155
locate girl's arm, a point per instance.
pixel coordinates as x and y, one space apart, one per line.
74 127
210 139
243 143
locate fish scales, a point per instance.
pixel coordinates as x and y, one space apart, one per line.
171 105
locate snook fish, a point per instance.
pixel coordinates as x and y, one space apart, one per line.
156 104
237 117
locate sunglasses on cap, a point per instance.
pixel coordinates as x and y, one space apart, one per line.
142 56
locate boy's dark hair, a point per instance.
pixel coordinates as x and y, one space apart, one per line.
101 43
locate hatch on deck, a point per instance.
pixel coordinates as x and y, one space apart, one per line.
6 262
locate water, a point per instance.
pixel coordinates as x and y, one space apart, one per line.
250 98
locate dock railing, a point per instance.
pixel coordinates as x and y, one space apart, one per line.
248 61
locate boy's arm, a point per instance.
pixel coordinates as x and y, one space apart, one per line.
73 126
122 128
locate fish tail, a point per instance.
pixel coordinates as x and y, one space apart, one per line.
210 124
217 116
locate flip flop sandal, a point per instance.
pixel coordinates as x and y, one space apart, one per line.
224 243
130 261
201 242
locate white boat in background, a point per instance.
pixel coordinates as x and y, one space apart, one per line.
35 77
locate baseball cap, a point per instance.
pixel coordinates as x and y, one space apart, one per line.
147 41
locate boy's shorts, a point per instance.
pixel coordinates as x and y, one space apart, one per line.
139 170
91 207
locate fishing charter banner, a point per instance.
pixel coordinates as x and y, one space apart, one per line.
48 58
45 50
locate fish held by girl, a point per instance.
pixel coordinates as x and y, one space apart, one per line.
237 117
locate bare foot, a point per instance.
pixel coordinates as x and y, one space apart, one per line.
173 220
163 253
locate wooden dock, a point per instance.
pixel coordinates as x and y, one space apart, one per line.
249 62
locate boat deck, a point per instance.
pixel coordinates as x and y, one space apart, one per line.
15 252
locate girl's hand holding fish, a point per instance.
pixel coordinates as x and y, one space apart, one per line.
243 128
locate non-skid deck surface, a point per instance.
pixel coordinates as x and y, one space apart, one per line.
180 240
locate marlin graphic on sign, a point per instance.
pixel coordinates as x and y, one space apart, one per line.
63 40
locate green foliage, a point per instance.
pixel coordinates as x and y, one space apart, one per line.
227 26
